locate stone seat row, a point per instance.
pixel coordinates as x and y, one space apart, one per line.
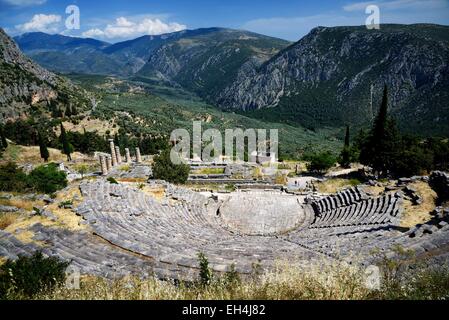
342 198
381 210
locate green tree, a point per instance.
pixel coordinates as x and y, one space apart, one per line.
345 156
165 169
412 160
320 162
47 179
12 178
74 111
68 111
440 149
43 147
382 146
3 142
67 148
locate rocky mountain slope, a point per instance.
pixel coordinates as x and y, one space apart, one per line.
336 75
207 63
26 87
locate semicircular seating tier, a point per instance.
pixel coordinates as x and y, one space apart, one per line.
130 231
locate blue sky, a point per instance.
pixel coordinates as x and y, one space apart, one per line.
288 19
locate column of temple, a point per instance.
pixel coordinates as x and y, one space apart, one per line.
113 155
118 155
104 169
138 156
109 163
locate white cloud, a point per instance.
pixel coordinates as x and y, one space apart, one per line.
398 5
41 22
93 33
125 28
24 3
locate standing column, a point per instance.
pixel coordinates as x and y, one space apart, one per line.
138 156
118 155
104 169
109 163
113 156
128 155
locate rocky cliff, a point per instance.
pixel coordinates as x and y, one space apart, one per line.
336 76
26 87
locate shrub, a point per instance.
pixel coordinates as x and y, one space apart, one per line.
111 180
28 276
205 272
12 178
65 204
165 169
232 277
47 179
82 169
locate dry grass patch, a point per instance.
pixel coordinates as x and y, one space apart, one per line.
208 171
281 179
20 227
132 180
26 205
157 193
25 155
414 215
125 168
375 191
66 217
286 282
7 219
91 125
335 185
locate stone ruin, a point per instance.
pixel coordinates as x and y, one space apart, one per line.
131 232
114 159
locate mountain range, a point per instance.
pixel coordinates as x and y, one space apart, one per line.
331 77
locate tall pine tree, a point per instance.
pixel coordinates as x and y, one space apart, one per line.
43 147
3 142
67 148
346 152
68 111
383 144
